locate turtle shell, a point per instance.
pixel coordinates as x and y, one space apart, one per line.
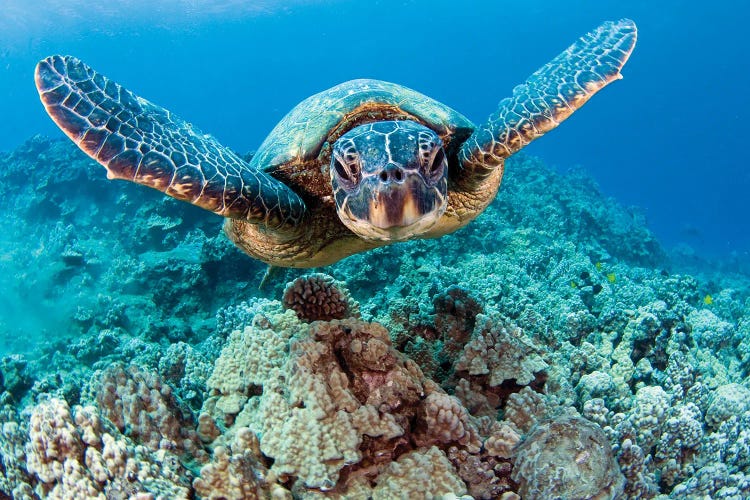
298 149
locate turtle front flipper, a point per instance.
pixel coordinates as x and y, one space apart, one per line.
144 143
548 97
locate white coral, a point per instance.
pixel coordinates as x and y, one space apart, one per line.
500 352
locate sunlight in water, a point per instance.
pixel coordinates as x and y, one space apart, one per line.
22 22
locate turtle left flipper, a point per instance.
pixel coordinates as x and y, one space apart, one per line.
547 97
139 141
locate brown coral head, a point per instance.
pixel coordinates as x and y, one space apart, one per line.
319 297
442 420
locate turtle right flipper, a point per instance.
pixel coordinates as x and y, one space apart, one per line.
144 143
549 96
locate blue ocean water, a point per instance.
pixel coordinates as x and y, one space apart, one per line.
669 139
593 324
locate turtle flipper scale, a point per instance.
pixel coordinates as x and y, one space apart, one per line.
144 143
549 96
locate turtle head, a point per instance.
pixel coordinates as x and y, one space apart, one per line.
389 180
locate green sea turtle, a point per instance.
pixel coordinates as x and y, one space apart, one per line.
361 165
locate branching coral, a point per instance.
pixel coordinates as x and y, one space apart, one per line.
456 312
185 369
338 377
418 474
525 408
679 443
446 421
250 356
709 330
634 464
487 474
649 415
729 400
53 440
434 339
14 480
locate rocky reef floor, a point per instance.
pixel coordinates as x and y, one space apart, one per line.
551 349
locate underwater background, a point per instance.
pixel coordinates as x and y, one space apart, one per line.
595 319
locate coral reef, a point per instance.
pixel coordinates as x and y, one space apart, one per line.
143 408
332 402
567 457
78 455
116 258
549 348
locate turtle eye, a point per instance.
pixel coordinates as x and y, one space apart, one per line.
349 171
437 165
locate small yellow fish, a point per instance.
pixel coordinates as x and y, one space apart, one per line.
573 284
598 266
708 300
611 277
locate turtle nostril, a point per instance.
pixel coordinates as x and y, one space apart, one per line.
392 174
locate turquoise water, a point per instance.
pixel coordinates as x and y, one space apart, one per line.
140 351
667 139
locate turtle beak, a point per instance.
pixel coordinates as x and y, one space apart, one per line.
394 211
395 206
398 211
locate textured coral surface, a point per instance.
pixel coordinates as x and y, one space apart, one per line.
549 349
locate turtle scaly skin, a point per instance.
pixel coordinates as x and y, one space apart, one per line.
406 197
549 96
141 142
361 165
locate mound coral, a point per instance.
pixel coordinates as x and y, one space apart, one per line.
568 457
142 407
337 407
76 454
318 297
